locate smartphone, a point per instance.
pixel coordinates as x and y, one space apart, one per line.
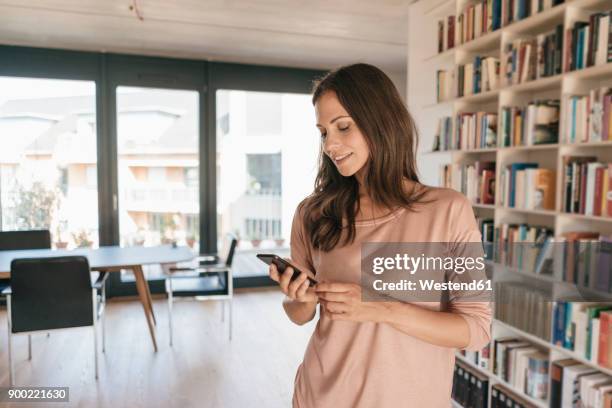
281 264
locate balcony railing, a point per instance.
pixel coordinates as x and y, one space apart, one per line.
163 198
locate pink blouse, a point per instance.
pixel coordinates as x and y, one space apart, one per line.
366 365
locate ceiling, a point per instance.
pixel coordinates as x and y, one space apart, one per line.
306 33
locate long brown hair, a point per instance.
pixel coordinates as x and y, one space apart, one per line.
371 99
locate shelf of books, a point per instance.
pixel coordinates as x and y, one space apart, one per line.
517 115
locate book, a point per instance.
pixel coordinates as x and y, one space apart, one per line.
476 180
536 123
590 41
571 382
605 345
529 58
588 116
556 380
537 376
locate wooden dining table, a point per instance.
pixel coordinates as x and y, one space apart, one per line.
113 259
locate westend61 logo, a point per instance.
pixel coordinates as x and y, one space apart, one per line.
424 271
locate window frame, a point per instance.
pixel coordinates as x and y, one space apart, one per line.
109 70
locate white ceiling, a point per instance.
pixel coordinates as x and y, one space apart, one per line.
307 33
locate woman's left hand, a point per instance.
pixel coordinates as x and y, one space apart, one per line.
343 302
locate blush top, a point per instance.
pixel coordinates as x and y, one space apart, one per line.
366 364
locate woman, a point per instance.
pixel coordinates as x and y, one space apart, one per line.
373 354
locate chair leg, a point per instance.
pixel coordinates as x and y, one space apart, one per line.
103 318
10 342
170 299
29 347
223 312
95 333
231 315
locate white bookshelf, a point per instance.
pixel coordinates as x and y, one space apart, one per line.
423 62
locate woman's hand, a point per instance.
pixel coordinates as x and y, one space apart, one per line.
343 302
299 290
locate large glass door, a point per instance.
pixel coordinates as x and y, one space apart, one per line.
158 168
266 163
48 159
156 119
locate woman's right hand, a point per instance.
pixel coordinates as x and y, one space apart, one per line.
298 290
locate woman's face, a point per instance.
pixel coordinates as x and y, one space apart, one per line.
342 140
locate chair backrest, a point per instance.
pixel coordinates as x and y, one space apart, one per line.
33 239
231 249
50 293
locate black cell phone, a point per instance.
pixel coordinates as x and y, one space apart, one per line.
281 264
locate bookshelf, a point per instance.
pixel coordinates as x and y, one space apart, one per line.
424 61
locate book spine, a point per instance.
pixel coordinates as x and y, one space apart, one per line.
604 328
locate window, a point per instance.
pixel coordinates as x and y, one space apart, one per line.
266 164
191 177
157 148
263 113
47 141
156 174
264 172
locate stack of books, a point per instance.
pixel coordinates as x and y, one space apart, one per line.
478 358
522 365
589 42
485 16
586 186
584 259
470 388
526 186
486 226
584 327
525 247
479 76
476 130
527 59
515 10
445 85
573 384
443 139
502 397
476 181
537 123
589 117
446 34
477 19
525 307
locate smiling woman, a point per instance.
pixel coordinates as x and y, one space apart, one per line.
384 353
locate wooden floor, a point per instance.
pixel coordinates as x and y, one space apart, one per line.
202 369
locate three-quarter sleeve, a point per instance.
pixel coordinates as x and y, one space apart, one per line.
473 305
301 253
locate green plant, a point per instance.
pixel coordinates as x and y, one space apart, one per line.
35 207
81 239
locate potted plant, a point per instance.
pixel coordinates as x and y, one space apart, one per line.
59 242
255 241
169 226
81 239
139 238
191 240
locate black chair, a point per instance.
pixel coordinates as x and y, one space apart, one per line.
32 239
49 294
14 240
41 239
212 282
